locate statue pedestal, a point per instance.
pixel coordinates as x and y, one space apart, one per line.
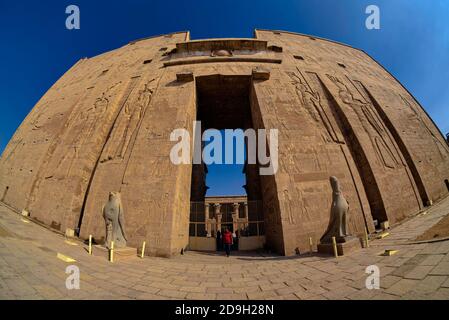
120 254
352 244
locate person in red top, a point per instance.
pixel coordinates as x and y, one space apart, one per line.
227 241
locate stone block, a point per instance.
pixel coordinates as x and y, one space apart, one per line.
184 76
343 248
260 74
120 254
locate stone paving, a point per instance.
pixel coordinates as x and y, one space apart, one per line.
30 269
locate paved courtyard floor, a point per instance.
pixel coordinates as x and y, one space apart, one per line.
30 269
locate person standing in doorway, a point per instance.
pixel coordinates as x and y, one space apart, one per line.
227 241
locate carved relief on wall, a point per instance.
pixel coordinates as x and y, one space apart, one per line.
57 142
80 129
385 144
327 108
83 74
37 122
371 123
126 124
221 53
443 149
302 204
313 102
287 158
288 203
131 59
46 114
385 153
276 116
159 167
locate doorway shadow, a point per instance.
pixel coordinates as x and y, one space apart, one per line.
261 255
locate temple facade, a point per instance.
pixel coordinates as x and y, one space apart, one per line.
105 126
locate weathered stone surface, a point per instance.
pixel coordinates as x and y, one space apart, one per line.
184 76
120 254
261 74
105 126
344 248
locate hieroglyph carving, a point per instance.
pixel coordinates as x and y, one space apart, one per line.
371 124
288 206
79 130
442 148
312 101
127 123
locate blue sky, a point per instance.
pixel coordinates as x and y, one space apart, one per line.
413 44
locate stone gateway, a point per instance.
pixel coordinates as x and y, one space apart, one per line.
105 126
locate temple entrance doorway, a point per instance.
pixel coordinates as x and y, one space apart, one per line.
223 195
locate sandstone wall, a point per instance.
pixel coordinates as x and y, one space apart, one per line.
105 126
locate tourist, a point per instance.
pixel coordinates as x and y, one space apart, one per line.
227 241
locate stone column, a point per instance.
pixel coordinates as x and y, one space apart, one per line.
246 214
235 216
207 220
218 215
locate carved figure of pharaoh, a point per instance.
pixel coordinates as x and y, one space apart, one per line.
339 209
115 221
